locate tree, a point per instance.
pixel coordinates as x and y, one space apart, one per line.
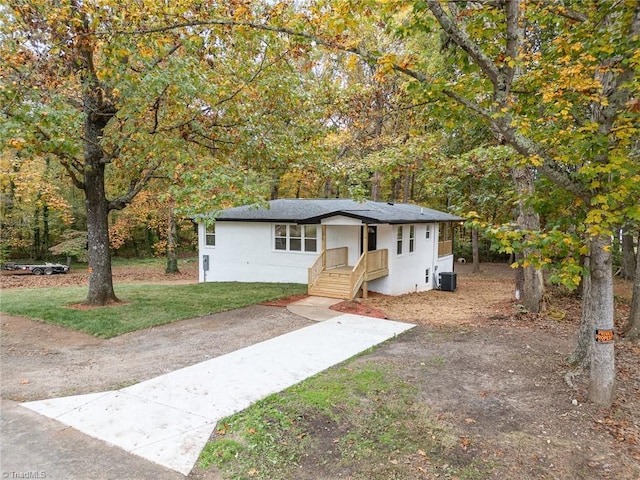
34 211
628 268
119 99
60 93
633 327
558 85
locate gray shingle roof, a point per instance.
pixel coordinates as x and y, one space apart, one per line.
312 211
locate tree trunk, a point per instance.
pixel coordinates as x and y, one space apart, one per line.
97 207
603 370
46 241
519 277
327 188
172 257
633 328
581 356
96 117
35 242
628 257
275 186
375 186
475 253
528 220
406 182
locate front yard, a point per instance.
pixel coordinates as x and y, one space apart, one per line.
477 390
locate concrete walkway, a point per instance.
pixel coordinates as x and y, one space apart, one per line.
169 419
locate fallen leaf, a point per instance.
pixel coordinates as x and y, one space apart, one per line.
24 381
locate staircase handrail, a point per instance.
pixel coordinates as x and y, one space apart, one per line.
316 269
357 275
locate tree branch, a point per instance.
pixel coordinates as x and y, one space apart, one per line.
135 188
72 166
563 11
462 39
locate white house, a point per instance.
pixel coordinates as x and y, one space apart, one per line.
338 247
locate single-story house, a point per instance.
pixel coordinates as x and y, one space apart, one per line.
338 247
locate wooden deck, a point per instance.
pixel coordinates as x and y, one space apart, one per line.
345 281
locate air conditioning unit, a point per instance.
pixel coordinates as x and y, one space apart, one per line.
448 281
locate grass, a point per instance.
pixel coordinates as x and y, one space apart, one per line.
143 305
359 420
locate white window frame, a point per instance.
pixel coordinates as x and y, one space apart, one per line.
412 238
303 239
399 239
210 233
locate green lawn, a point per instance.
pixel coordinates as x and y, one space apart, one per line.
360 420
143 305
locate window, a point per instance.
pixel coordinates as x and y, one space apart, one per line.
280 234
295 238
412 238
210 235
445 239
426 276
310 238
399 241
427 235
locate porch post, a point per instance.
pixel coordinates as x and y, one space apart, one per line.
365 248
324 247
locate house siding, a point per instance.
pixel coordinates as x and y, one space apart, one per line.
406 271
345 236
244 252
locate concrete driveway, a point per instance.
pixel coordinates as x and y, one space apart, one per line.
166 421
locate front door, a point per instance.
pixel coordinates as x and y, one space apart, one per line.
372 232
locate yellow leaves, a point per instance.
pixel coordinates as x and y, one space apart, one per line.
509 61
607 48
353 63
17 143
595 216
576 47
536 160
386 64
590 127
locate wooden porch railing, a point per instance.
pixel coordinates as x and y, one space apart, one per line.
329 258
316 269
445 248
377 265
337 257
357 276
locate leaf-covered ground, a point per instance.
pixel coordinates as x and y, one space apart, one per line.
492 374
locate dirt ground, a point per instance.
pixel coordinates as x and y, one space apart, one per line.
495 374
